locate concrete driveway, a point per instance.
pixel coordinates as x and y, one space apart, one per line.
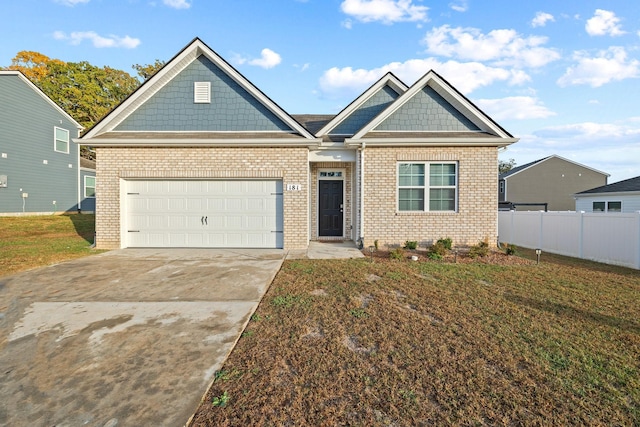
130 337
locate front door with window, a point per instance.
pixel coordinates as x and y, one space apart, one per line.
330 208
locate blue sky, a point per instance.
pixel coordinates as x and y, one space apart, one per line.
563 76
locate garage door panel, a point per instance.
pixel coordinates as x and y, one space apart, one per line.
214 213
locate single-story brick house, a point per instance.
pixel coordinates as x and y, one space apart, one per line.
200 157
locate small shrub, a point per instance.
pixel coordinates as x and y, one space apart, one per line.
446 242
480 250
509 249
397 253
410 244
438 250
375 243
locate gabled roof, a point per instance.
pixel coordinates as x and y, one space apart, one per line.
388 80
627 185
481 127
171 69
521 168
37 90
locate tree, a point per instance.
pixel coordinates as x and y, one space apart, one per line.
504 167
146 71
86 92
33 65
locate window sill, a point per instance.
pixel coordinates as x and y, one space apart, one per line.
425 213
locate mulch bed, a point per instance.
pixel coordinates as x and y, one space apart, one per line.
459 256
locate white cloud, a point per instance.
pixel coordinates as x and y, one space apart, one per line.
77 37
177 4
514 107
609 65
268 59
385 11
71 2
466 77
541 19
460 6
604 22
303 67
502 47
347 23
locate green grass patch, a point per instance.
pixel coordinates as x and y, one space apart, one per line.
28 242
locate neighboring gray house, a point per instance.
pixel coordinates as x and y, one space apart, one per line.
40 165
622 196
550 182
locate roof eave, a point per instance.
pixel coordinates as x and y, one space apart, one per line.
204 142
431 142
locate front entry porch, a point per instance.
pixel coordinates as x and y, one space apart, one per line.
332 201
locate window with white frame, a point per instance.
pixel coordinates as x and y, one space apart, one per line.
89 186
61 140
614 206
427 186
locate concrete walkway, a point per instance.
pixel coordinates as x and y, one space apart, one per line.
126 338
327 250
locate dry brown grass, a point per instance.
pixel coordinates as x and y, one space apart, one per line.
355 342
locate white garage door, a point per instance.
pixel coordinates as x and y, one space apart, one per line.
203 214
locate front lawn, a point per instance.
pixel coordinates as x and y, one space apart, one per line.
402 343
35 241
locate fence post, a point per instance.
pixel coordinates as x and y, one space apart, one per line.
541 234
581 236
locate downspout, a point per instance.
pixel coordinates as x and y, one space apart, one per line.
361 239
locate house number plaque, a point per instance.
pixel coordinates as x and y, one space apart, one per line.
294 187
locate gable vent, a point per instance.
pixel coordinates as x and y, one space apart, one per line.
202 92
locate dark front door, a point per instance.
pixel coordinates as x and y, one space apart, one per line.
330 208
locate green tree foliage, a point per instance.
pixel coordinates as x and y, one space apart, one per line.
504 167
85 91
146 71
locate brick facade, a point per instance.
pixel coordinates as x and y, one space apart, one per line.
116 164
475 220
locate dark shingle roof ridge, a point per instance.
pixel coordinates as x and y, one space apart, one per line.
630 184
313 122
521 167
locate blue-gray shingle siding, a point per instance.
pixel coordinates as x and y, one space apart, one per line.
366 112
427 111
27 139
232 108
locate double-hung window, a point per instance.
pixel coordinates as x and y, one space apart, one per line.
61 140
427 186
89 186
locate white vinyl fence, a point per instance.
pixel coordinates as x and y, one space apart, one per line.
611 238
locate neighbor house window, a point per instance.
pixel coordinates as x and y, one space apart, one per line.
614 206
202 92
61 143
89 186
607 206
427 186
